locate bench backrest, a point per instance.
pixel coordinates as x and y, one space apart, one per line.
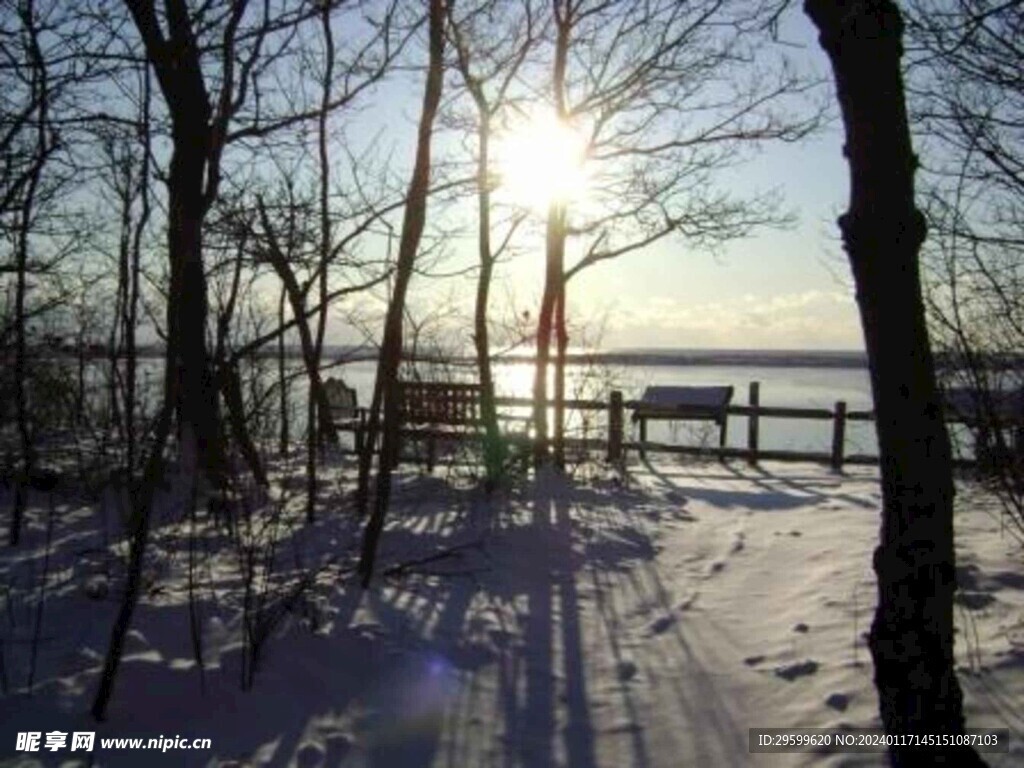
341 397
446 403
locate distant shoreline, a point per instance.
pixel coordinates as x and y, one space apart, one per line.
660 357
745 358
629 357
794 358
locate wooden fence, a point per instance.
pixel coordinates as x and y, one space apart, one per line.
616 446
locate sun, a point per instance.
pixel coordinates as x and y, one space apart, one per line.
541 161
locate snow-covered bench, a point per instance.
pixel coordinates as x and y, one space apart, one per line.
684 404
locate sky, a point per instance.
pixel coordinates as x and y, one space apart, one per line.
786 289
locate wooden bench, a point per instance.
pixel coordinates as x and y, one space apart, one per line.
684 404
439 410
345 411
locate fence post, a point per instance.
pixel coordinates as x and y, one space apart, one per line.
838 435
753 421
615 426
360 430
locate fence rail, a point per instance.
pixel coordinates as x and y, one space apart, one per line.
617 447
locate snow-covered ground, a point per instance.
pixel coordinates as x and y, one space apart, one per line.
582 622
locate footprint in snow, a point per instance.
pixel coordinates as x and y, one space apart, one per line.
799 669
838 702
753 661
626 670
660 625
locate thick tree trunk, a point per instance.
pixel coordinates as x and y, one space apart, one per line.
191 188
198 414
554 260
391 347
552 308
912 634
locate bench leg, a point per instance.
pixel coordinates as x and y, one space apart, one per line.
643 437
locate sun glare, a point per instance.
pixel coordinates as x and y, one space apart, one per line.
540 162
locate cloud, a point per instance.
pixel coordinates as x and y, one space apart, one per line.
808 319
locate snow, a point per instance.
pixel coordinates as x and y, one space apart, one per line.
562 621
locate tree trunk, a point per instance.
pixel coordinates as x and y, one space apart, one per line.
554 245
131 305
912 634
561 347
318 402
229 378
321 410
27 208
231 389
282 379
198 414
554 260
391 347
494 450
142 495
20 374
191 188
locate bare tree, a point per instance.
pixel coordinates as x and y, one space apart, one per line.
208 68
413 222
127 177
491 46
911 636
287 232
209 62
35 77
660 94
967 105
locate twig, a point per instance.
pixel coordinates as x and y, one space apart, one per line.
452 551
